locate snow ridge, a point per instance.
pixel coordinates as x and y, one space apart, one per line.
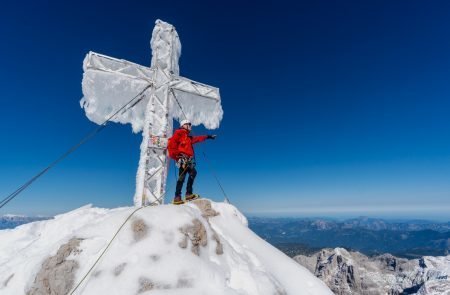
199 248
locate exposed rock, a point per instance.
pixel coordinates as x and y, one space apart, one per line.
219 246
57 274
196 233
336 271
354 273
435 287
422 263
389 262
140 229
207 211
205 207
145 285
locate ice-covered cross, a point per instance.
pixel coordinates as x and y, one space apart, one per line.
109 83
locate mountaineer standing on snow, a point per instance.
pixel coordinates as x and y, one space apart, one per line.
181 149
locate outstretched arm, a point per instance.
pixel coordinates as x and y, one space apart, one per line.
201 138
196 139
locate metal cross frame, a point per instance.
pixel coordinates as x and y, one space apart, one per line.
157 126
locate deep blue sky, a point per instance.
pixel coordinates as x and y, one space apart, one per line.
331 107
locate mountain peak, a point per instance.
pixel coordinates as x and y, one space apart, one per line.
350 272
202 247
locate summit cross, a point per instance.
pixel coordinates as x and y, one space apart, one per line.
163 95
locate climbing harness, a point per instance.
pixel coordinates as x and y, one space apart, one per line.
185 161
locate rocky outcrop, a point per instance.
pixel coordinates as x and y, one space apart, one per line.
207 212
196 234
57 273
435 287
140 229
206 208
354 273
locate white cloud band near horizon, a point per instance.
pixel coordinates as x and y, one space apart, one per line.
440 212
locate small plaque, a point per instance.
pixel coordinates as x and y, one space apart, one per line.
158 141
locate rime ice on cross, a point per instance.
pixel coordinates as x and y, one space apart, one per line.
109 83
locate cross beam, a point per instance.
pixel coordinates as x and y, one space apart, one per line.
108 83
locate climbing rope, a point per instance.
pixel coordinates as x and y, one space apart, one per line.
156 202
131 103
125 108
217 179
106 249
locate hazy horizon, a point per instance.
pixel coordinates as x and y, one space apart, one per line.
432 215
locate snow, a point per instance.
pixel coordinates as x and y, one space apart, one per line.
109 83
205 109
165 57
156 258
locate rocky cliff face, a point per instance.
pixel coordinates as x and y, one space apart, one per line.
354 273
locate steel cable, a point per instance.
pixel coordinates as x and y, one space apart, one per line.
73 148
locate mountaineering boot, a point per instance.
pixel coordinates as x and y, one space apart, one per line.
177 200
191 197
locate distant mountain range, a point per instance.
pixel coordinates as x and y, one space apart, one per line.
371 236
11 221
360 222
347 272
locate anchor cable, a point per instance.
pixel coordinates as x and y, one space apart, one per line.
75 147
217 179
106 249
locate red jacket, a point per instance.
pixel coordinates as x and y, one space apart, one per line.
181 143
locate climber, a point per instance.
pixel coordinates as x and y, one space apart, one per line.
181 149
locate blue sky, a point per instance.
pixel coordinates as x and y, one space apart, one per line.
331 108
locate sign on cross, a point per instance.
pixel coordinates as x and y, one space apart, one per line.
109 83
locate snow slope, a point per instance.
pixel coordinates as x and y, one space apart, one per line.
199 248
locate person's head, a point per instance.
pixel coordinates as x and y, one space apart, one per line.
186 124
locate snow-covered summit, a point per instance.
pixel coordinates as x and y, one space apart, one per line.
199 248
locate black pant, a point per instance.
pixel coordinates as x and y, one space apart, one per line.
189 169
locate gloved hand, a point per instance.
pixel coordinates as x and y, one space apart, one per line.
211 136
